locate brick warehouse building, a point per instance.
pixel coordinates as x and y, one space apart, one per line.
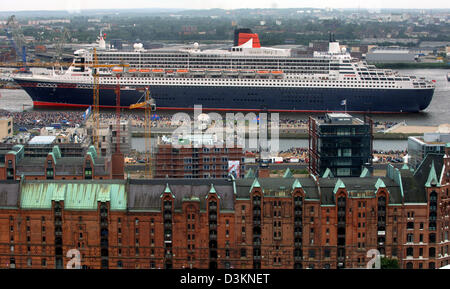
245 223
54 164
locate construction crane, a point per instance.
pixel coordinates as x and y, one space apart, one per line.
149 106
16 39
96 95
59 46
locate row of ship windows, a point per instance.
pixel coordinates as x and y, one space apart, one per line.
253 80
237 59
315 85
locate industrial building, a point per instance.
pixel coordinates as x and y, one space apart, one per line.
341 145
391 55
16 165
267 223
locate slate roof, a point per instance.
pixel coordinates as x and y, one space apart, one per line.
9 194
145 195
64 166
414 183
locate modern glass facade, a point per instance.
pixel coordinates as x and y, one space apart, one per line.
419 147
344 145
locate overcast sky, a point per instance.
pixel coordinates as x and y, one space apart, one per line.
15 5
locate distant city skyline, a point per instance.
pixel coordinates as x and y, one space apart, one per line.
79 5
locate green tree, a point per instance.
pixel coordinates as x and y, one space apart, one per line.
387 263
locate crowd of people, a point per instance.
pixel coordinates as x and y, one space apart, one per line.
32 119
39 119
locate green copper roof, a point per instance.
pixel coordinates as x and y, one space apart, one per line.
380 184
93 152
288 174
405 166
255 184
212 190
447 145
327 174
296 184
37 196
118 197
432 177
76 196
167 190
250 174
365 173
56 152
339 185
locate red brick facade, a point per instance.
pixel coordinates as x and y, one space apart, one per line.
269 225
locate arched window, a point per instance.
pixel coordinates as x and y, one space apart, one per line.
409 265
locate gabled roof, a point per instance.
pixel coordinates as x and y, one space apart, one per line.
212 190
380 184
288 174
296 184
414 183
250 174
255 185
339 185
328 174
432 177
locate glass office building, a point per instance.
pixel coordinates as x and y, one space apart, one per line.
341 143
420 146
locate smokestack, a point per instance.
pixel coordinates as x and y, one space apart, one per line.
238 31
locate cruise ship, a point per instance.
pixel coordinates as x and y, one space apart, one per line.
244 77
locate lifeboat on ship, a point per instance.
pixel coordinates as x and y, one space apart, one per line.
277 73
198 72
158 71
182 71
170 72
247 72
231 72
263 73
215 72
